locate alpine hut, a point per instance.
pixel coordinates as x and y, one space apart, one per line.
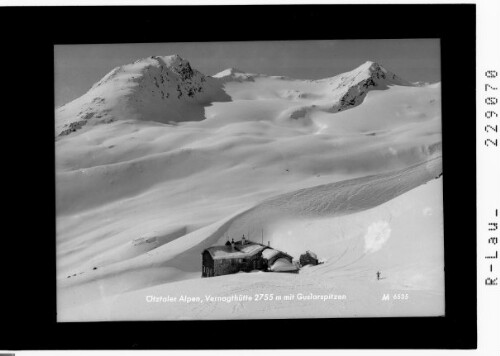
243 255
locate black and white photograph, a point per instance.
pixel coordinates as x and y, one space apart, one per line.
249 180
319 178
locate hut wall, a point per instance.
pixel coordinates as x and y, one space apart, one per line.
226 266
253 262
207 269
234 265
307 259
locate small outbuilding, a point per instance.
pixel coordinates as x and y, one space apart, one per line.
308 258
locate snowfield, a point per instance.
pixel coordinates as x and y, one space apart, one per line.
158 161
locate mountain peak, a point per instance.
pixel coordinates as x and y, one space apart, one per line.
369 64
377 74
155 88
176 64
359 81
172 60
229 72
150 65
372 67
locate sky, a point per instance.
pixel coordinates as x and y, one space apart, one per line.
78 67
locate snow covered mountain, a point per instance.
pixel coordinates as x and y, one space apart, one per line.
168 90
233 74
158 161
162 89
354 85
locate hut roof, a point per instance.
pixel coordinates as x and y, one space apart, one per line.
239 251
312 254
269 253
283 265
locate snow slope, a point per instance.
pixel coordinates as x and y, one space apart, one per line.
157 162
372 226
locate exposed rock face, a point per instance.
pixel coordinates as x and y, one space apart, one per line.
169 78
182 68
361 80
76 125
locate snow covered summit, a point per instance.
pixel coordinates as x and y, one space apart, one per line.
376 75
351 87
234 74
163 89
228 72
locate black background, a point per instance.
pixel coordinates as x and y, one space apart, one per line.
28 285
